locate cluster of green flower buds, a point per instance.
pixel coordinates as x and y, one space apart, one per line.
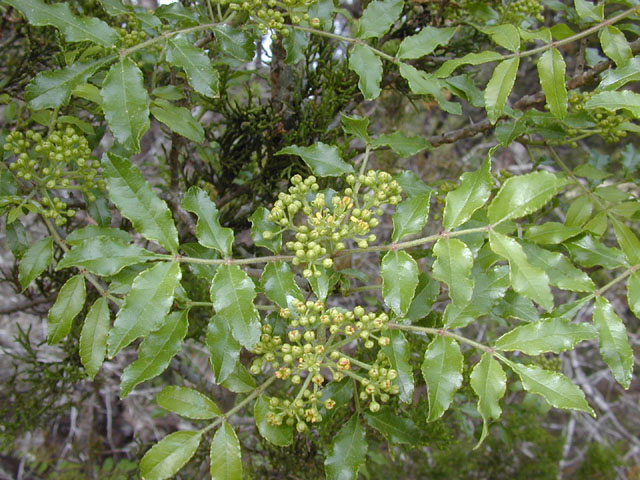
608 123
520 9
132 37
309 353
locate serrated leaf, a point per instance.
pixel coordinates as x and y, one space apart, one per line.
17 238
379 16
613 101
399 354
628 241
225 456
589 252
399 273
114 8
368 66
518 307
551 70
208 229
356 126
472 193
35 261
93 338
550 233
411 216
137 201
499 87
530 281
232 294
348 452
422 83
59 15
411 184
260 224
281 435
68 304
586 9
524 194
401 144
195 63
426 294
450 66
81 235
442 370
394 428
551 335
295 44
561 272
619 77
155 352
633 293
323 284
615 45
178 119
425 42
489 383
224 350
614 342
554 387
323 160
125 103
169 455
453 265
236 43
279 285
240 380
187 402
146 305
505 35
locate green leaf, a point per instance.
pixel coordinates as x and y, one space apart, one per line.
589 252
368 67
75 29
633 293
104 256
530 281
178 119
394 428
323 160
323 284
281 435
259 225
195 63
240 380
295 45
550 233
155 352
68 304
348 452
146 305
399 273
559 269
612 101
453 265
586 9
53 89
499 87
356 126
551 70
524 194
411 184
114 8
472 193
551 335
579 212
208 229
554 387
399 354
279 285
489 383
225 456
411 216
93 338
505 35
518 307
628 241
619 77
137 201
401 144
426 295
442 370
422 83
235 43
614 342
17 238
169 455
449 66
224 350
378 17
35 261
615 46
425 42
81 235
232 294
126 103
187 402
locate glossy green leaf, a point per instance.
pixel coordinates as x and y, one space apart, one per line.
323 284
401 144
422 83
225 456
137 201
442 370
232 294
550 233
505 35
499 87
146 305
295 45
155 352
59 15
411 216
586 9
368 67
579 211
453 265
169 455
628 241
615 45
93 338
81 235
114 8
633 293
281 435
489 383
619 77
552 70
411 184
235 43
224 350
450 66
17 238
561 272
589 252
68 304
399 273
399 354
187 402
259 225
356 126
425 42
239 381
614 342
348 452
194 61
518 307
472 193
208 229
279 285
524 194
35 261
323 160
426 294
126 103
178 119
613 101
394 428
379 16
528 280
